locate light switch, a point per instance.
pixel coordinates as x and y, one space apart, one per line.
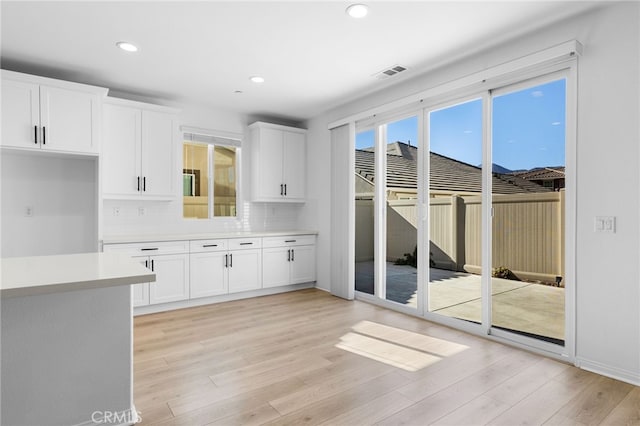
605 224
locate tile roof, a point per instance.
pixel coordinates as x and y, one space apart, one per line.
541 173
446 173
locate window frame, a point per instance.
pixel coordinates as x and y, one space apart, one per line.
214 138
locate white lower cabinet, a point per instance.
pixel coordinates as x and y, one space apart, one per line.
225 266
207 268
169 261
288 260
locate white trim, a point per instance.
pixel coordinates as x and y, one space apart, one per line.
547 56
140 105
151 309
264 125
606 370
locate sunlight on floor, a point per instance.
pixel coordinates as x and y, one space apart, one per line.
397 347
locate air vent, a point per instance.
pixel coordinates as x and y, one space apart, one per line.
390 72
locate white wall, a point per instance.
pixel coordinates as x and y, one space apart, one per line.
166 216
63 194
608 295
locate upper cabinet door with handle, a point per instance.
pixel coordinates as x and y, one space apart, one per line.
138 151
278 163
53 115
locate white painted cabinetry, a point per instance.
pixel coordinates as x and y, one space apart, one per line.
278 163
139 151
170 262
223 266
50 115
288 260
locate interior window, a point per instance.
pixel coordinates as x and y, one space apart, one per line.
209 177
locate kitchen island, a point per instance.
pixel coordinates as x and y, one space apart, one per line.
67 338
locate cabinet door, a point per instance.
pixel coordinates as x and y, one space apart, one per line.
208 274
269 165
140 292
245 270
303 264
294 166
172 278
275 266
120 149
159 170
68 120
20 114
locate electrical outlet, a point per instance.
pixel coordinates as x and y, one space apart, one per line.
28 211
141 211
116 211
605 224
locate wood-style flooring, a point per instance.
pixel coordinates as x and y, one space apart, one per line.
306 357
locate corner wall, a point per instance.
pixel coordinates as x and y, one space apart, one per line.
608 155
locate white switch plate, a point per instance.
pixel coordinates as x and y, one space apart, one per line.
605 224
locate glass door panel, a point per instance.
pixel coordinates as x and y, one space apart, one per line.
528 156
365 190
402 212
455 136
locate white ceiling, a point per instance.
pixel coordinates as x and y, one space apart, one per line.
312 55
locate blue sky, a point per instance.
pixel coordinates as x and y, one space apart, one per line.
528 129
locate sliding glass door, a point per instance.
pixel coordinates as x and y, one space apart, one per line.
461 212
528 204
387 212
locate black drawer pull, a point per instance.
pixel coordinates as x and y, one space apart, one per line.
290 241
149 249
245 244
209 245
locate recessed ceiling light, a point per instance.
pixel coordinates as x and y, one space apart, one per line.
126 46
358 10
257 79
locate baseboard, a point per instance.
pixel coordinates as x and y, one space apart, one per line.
113 418
632 377
151 309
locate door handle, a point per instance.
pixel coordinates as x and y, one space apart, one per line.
281 189
285 189
35 132
152 266
226 260
144 183
231 261
138 183
44 135
288 255
293 255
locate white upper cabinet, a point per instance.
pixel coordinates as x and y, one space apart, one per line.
45 114
278 163
138 151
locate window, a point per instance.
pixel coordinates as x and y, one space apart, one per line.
210 176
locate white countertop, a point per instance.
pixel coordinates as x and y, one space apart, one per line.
28 276
123 239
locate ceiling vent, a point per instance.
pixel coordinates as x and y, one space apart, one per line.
390 72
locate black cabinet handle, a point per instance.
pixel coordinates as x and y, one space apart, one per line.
152 266
44 135
288 255
149 249
226 260
138 183
289 241
293 255
285 189
35 132
146 264
209 245
281 189
231 261
144 183
245 244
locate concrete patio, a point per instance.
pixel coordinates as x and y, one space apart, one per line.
526 307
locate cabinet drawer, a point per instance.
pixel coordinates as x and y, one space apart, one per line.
289 240
149 249
245 243
203 246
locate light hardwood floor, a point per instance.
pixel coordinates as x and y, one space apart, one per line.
307 357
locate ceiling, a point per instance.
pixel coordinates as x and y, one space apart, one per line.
312 55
